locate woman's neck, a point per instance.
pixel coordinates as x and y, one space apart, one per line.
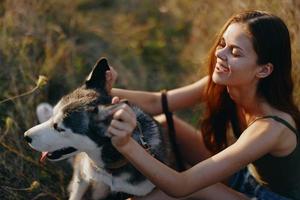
249 105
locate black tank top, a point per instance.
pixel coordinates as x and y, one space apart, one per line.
280 174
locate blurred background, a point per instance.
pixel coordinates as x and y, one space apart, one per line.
153 45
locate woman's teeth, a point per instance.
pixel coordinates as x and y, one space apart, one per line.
221 68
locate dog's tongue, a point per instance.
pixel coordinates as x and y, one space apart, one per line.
43 157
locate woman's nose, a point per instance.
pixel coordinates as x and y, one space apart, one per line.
221 53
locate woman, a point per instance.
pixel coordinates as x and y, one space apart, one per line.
248 90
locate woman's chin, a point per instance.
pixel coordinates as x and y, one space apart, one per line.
217 79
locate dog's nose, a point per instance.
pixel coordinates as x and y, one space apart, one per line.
28 139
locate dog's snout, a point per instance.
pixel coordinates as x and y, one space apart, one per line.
27 139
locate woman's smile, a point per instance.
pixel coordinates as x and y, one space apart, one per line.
221 68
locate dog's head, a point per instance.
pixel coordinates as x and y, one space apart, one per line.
79 122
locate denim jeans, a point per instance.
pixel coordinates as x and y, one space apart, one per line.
245 183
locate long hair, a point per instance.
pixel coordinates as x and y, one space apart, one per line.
271 42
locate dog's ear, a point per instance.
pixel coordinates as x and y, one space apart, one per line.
97 78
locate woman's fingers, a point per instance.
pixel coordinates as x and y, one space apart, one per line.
129 110
118 128
111 77
122 125
126 115
115 100
114 74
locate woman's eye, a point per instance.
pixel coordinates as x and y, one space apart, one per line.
235 53
55 126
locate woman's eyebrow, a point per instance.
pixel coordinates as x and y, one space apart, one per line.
235 46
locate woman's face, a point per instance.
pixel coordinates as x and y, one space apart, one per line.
236 59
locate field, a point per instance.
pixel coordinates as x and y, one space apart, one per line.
154 45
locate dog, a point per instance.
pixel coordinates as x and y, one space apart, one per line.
78 128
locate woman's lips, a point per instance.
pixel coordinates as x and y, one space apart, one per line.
221 68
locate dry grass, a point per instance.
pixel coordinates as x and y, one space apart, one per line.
163 43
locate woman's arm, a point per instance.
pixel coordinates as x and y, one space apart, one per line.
256 141
187 96
179 98
147 101
214 192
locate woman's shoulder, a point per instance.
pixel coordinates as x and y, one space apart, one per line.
280 119
283 126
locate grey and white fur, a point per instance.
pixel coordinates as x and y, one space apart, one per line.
79 127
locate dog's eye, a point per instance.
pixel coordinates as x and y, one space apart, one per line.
55 126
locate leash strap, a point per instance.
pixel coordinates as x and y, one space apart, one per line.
172 132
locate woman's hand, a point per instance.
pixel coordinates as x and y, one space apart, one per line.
122 125
111 77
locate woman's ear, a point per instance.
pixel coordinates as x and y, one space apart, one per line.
264 70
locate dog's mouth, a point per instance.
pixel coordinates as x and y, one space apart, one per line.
58 154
